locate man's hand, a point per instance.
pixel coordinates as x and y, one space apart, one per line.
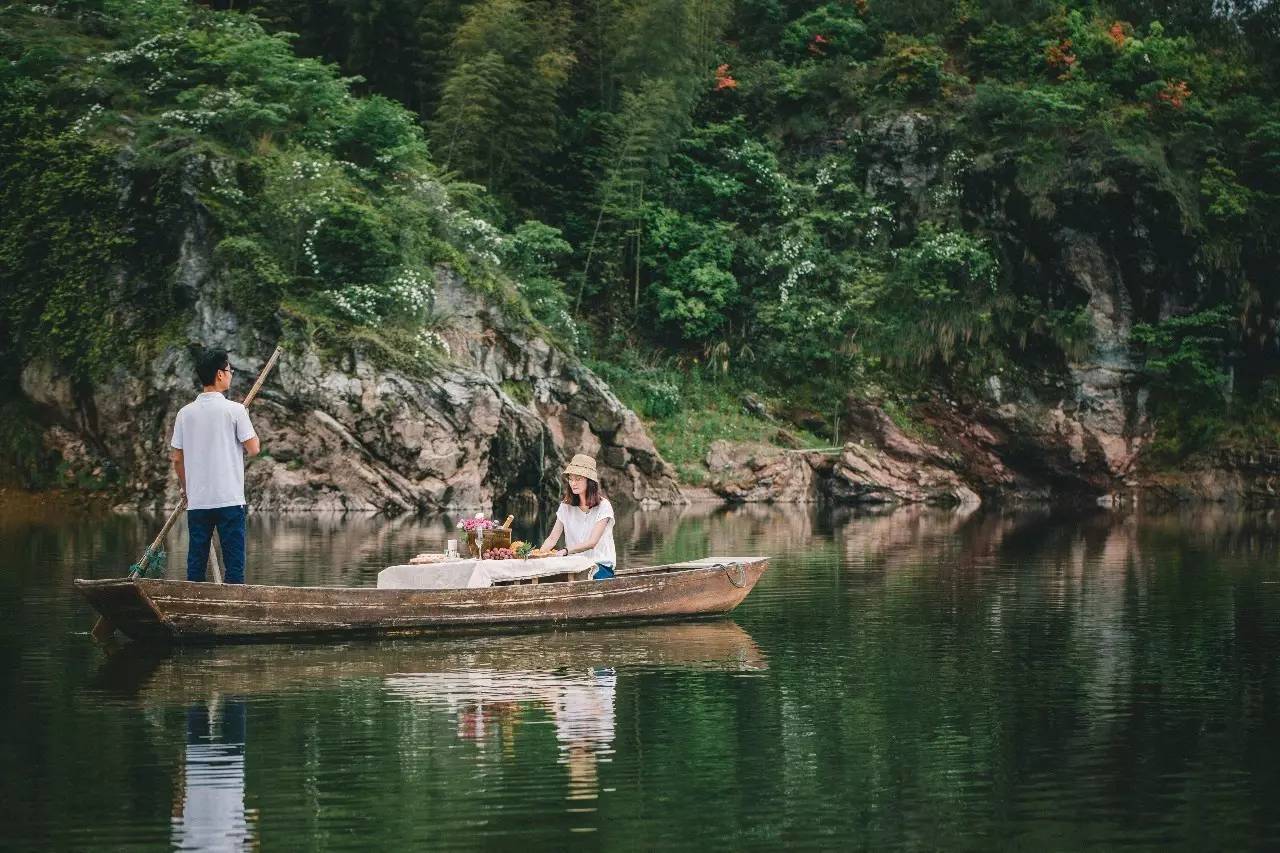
180 469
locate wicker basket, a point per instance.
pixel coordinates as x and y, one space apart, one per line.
494 538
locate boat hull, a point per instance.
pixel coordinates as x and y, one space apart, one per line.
182 611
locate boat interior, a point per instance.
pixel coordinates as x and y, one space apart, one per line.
565 577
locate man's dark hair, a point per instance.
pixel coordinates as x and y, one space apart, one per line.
208 365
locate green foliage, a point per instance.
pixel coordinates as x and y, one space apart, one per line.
921 195
1224 198
63 233
135 133
943 299
912 69
354 243
23 457
1183 358
1003 52
379 135
534 256
688 408
254 280
518 391
498 108
690 262
831 30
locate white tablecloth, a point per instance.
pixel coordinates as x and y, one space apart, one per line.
463 574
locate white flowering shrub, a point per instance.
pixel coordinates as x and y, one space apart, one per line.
431 343
789 257
406 298
88 120
943 292
411 291
359 303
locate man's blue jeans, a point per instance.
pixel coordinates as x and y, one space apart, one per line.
229 520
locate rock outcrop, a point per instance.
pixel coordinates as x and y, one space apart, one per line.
883 466
493 421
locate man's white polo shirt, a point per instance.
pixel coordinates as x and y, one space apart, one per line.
210 431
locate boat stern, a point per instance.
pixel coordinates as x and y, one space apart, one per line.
122 603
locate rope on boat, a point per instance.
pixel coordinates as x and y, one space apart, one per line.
735 573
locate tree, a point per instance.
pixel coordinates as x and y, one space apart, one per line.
499 110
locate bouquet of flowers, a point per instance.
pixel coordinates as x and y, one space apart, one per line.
470 525
480 531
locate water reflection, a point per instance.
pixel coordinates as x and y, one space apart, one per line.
489 686
489 705
208 809
974 680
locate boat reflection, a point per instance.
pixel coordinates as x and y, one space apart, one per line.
208 809
574 683
489 685
184 675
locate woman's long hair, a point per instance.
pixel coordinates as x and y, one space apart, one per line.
592 496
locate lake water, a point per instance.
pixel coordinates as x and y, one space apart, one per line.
914 680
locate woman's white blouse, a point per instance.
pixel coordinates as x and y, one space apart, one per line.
578 526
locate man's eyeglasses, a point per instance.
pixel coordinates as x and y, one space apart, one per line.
226 367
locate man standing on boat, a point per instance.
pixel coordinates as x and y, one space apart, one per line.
211 437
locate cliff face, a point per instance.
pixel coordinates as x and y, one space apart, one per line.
1067 426
496 420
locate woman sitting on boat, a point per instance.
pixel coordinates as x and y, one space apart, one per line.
585 517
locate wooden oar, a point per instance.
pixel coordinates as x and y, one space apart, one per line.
102 629
215 568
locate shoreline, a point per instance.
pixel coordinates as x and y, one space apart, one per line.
19 504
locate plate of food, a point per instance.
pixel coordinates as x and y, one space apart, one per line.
422 559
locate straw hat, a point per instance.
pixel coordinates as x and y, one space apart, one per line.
582 465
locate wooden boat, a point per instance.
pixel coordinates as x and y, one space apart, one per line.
182 611
163 674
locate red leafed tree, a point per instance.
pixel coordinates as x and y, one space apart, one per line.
1175 93
723 80
1060 58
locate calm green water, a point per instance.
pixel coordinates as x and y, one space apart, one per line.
917 680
